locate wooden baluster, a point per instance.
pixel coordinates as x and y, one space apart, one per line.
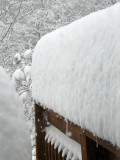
60 156
40 124
63 158
46 150
55 154
52 152
83 146
49 151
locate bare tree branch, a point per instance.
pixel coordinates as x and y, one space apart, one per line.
12 23
3 14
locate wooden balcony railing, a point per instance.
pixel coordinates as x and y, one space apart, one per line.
92 148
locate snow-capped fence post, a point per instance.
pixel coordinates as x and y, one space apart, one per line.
40 124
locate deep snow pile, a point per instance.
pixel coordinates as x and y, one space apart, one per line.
76 72
14 137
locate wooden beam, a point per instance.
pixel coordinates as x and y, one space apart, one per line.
46 150
64 126
52 152
103 143
60 155
40 124
55 154
83 146
49 151
59 122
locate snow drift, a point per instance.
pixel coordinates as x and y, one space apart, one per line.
14 138
76 72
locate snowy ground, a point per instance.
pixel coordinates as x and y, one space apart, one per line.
15 143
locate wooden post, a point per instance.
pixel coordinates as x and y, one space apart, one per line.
52 152
83 146
55 154
40 124
60 155
46 150
49 151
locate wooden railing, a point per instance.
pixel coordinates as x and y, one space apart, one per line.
51 153
92 148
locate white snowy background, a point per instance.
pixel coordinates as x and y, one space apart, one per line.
22 24
15 143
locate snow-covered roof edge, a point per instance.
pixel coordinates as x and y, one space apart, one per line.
75 72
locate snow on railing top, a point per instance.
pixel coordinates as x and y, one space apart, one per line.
76 72
66 145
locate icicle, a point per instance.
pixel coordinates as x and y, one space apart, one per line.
47 135
79 157
74 157
65 151
63 143
49 139
60 148
69 155
56 144
53 140
96 143
66 125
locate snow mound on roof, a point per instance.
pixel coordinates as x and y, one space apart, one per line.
76 72
14 138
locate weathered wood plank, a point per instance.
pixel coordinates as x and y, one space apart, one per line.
75 130
83 146
46 150
52 152
60 123
40 124
49 151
